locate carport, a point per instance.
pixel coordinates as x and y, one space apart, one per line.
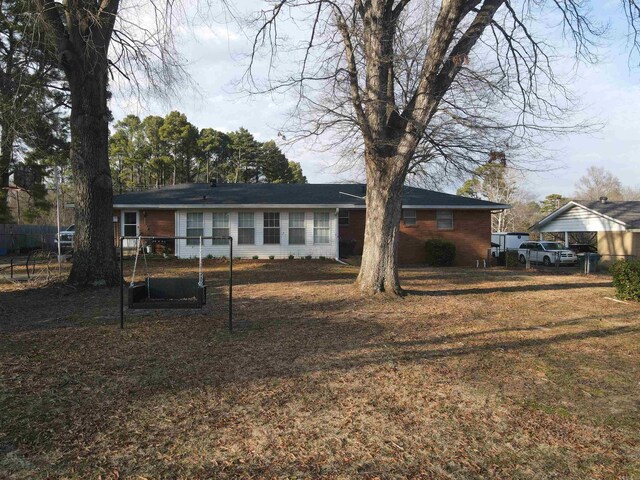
617 225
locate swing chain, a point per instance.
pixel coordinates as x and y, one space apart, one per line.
135 262
200 275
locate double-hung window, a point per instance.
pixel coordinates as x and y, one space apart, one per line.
195 227
271 228
343 218
246 228
409 216
297 232
220 228
444 219
321 227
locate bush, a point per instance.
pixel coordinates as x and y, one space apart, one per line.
347 247
440 253
322 258
291 257
512 258
308 257
210 257
255 257
626 279
271 257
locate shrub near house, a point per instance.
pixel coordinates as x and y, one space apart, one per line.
440 253
626 279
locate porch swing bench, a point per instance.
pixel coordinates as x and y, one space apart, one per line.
166 292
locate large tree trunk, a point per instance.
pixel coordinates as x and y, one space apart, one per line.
6 151
379 269
94 260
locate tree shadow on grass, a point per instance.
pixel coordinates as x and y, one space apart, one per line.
506 289
94 376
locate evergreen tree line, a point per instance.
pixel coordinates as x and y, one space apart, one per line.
158 151
34 131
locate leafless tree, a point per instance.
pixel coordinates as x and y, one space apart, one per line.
599 182
95 41
415 82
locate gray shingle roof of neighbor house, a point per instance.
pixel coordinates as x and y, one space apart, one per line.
238 194
627 212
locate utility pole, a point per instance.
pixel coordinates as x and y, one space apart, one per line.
57 180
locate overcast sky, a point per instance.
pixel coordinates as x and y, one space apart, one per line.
609 93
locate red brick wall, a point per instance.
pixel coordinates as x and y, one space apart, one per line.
355 229
152 223
161 223
471 235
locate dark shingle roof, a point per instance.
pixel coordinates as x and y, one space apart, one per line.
285 194
627 212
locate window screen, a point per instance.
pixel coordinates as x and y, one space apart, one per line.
194 227
409 216
321 227
297 231
271 227
220 227
246 230
444 219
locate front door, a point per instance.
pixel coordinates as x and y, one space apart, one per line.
130 228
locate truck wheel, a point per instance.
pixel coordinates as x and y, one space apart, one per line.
546 261
522 259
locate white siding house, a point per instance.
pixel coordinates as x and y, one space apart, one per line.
320 235
577 218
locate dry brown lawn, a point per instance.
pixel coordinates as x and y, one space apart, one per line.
476 374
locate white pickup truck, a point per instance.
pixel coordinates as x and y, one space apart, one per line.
66 238
546 253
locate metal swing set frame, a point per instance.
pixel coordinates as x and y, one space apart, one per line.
168 292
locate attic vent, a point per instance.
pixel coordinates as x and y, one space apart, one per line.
603 199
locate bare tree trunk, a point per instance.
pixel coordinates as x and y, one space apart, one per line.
94 260
5 160
6 150
379 269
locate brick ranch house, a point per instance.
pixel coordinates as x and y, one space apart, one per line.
298 219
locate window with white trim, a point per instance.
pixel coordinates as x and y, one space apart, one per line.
195 227
297 232
220 227
321 227
444 219
130 224
246 228
409 216
271 232
343 218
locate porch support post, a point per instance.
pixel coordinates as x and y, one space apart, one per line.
566 239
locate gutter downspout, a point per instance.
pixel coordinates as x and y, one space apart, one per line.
337 235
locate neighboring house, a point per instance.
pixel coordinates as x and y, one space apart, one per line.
299 219
616 223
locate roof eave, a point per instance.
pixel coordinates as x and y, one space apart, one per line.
198 206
